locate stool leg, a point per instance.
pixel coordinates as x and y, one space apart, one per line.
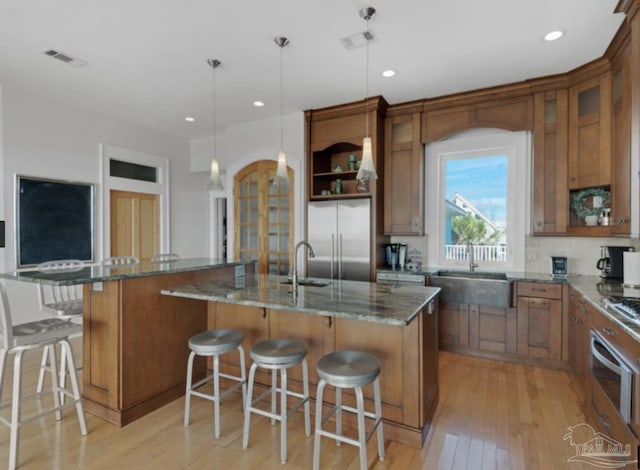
187 395
362 433
305 390
243 376
216 395
43 366
73 376
283 415
63 373
3 360
247 406
15 411
54 379
378 409
338 414
274 387
318 426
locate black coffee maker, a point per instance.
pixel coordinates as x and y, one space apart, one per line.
611 262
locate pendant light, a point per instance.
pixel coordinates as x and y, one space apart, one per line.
215 183
367 169
282 174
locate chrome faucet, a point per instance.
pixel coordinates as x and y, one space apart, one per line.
294 271
471 253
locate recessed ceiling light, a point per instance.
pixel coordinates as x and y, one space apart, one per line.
388 73
553 35
189 119
258 104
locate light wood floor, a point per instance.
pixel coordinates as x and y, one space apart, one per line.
491 415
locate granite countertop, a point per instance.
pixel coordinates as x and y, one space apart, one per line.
596 289
390 304
511 275
98 273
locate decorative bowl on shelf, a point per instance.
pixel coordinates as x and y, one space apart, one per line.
337 169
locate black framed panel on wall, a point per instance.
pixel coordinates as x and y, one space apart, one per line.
54 220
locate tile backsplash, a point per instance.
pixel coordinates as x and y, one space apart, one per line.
583 252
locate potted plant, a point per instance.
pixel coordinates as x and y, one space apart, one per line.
584 205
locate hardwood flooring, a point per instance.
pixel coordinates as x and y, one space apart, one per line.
491 415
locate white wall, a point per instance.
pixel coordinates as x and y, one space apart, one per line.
246 143
52 140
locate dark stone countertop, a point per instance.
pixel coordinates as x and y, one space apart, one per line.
390 304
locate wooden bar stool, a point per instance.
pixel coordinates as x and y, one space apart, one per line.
214 343
349 369
278 355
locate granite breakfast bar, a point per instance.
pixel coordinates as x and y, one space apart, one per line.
398 324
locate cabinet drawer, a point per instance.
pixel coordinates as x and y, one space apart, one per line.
627 346
540 289
605 417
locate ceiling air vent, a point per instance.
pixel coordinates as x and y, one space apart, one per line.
66 58
358 39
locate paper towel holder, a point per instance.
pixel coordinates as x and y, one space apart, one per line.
559 266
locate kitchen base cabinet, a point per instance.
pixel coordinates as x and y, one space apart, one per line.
542 326
477 328
579 337
408 356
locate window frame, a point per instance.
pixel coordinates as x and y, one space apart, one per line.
480 142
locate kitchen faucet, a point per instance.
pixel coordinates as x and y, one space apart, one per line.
294 271
470 252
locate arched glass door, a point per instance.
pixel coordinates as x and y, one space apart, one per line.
263 218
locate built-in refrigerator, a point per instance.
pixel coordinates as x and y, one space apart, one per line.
340 233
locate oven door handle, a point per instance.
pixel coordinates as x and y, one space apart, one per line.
610 365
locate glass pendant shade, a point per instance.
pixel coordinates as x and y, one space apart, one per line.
215 183
282 174
367 169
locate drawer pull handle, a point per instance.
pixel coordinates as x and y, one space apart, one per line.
604 420
264 313
608 331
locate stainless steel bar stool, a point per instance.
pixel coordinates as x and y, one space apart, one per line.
214 343
278 355
349 369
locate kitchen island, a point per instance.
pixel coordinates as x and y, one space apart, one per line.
135 340
397 324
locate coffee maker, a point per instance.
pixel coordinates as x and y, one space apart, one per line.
611 262
396 254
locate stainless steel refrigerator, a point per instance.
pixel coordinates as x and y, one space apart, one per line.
340 233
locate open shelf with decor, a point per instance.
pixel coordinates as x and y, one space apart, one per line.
334 171
590 210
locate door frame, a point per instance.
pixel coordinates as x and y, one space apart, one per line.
160 188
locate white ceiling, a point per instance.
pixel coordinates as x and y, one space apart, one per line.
147 58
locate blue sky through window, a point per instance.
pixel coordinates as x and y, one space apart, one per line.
482 181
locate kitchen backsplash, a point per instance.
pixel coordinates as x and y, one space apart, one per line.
582 252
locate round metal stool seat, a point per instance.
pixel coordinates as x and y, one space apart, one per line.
278 352
348 368
213 342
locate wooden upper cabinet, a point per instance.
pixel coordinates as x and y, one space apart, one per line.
333 136
621 143
550 192
404 176
590 133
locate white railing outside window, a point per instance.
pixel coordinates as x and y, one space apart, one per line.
480 252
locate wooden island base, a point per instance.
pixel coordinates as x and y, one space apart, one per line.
408 355
135 342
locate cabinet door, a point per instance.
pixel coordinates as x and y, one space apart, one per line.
540 328
429 358
492 328
454 324
403 176
590 133
550 192
621 146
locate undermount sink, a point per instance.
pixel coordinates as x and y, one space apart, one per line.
473 275
308 282
477 288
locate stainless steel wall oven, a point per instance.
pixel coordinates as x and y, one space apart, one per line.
613 374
